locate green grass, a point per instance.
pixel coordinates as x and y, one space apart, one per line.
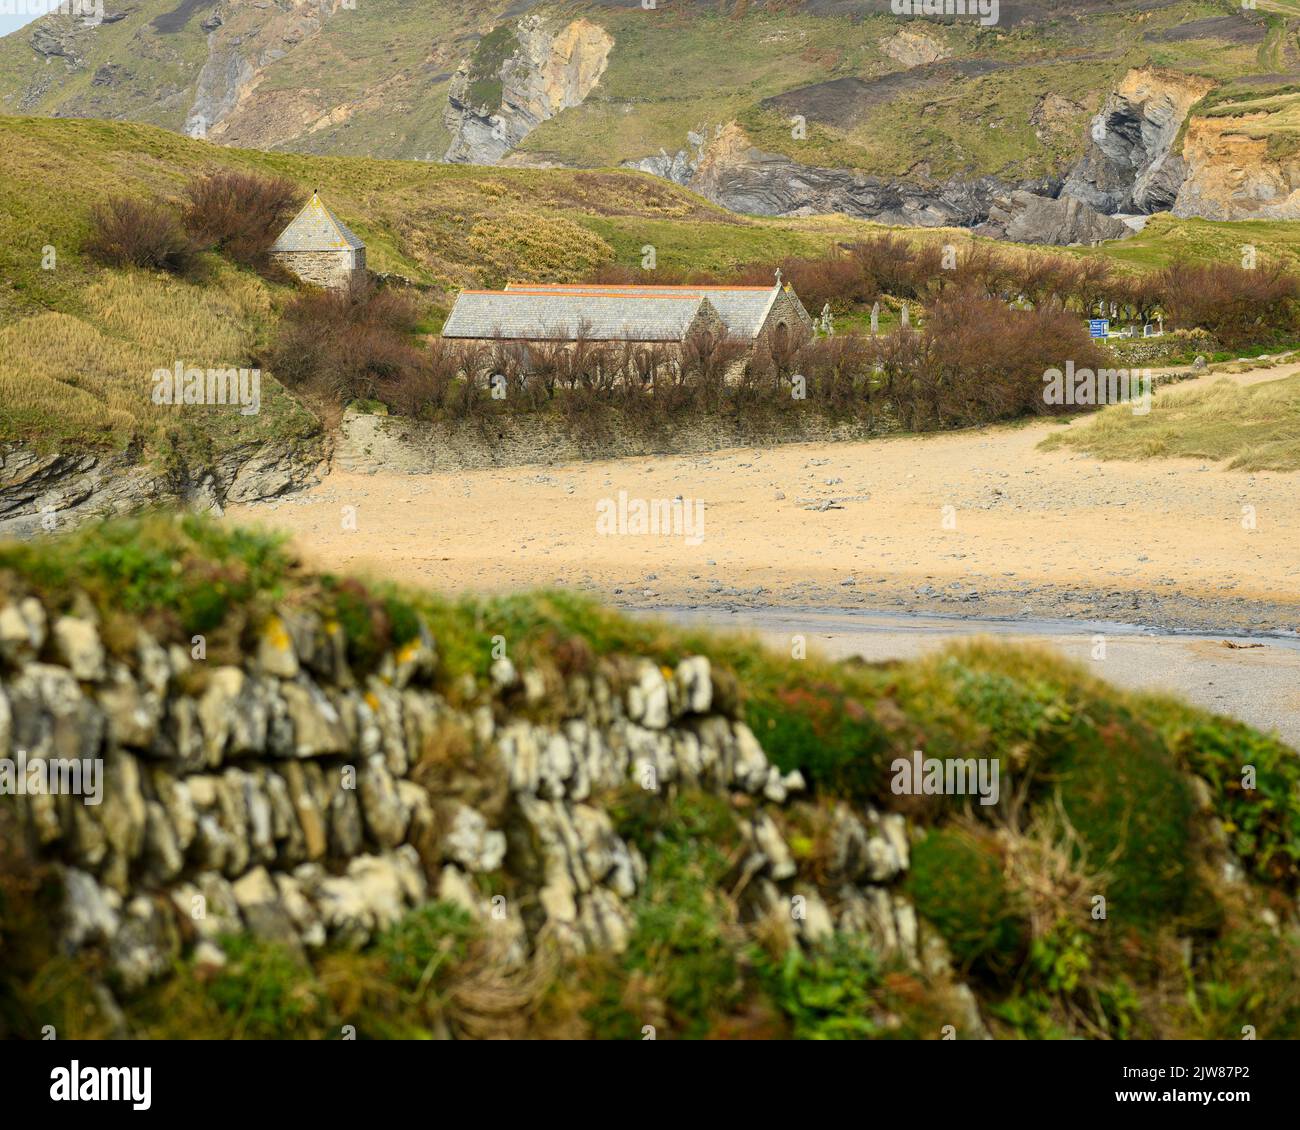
485 66
1166 240
1253 428
958 884
84 379
372 80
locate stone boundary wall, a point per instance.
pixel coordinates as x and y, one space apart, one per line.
294 799
372 443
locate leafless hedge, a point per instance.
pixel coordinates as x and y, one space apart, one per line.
973 361
1238 306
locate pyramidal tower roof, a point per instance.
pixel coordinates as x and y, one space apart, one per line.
316 228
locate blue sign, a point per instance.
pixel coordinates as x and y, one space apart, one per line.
1098 327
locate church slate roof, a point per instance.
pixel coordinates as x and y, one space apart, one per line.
316 228
527 311
743 309
548 314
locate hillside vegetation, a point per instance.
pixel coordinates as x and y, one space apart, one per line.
80 340
1107 795
1254 428
1011 100
446 225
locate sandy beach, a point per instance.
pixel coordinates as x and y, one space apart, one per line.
977 528
977 522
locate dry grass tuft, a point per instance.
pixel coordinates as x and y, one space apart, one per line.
1253 427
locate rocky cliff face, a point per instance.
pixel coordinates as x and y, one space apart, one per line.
295 799
724 166
297 74
242 41
41 492
1024 217
1130 165
1231 176
1219 172
493 105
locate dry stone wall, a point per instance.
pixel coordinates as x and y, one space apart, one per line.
369 443
292 798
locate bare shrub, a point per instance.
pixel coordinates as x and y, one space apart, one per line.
833 279
1093 285
977 361
985 269
423 391
890 265
239 214
1048 279
707 356
1239 307
127 232
1138 297
345 345
838 371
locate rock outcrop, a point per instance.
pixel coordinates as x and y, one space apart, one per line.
914 48
723 165
241 43
68 30
493 105
301 801
1024 217
1130 165
41 492
1231 176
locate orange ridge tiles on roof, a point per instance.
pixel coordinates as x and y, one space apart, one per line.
628 286
542 293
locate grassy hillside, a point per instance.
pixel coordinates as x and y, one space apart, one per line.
445 225
79 341
1099 800
1012 99
1166 240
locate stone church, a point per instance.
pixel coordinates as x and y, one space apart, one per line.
535 312
319 248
